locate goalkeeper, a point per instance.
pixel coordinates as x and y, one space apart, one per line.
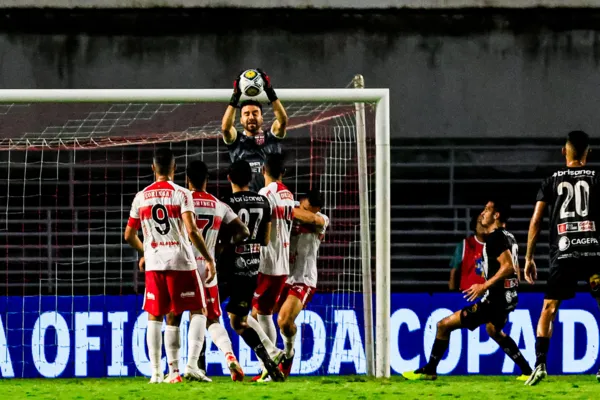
253 144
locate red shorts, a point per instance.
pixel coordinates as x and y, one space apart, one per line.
213 302
301 291
173 291
266 294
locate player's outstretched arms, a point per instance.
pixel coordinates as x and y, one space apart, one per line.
227 129
507 268
198 241
240 231
281 119
532 238
307 217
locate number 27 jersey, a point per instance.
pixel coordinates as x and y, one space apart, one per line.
572 198
157 210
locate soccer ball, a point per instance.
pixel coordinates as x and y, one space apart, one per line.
251 83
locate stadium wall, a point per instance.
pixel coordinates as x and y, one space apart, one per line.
105 336
452 74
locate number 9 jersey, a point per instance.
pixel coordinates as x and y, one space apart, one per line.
571 195
275 258
157 210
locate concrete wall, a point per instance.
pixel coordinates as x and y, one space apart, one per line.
457 75
339 4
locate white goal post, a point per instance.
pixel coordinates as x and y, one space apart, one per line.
379 97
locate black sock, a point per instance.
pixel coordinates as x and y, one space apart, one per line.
251 338
512 350
542 344
437 352
202 359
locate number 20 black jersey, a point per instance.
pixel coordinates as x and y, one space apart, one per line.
255 212
571 195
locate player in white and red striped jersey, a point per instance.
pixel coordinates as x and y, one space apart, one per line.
211 214
307 233
165 212
275 257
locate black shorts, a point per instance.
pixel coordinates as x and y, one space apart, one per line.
240 290
482 313
567 273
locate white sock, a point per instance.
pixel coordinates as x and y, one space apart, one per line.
172 344
154 341
267 324
220 337
288 342
196 333
266 341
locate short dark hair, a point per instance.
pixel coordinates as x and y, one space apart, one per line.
315 198
197 173
240 173
580 142
251 103
163 159
275 165
502 207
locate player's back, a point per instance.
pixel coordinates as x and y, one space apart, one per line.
275 260
211 213
166 243
504 292
304 247
254 211
572 197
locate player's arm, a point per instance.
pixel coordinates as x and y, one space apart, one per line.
240 231
227 129
535 226
281 118
131 237
197 240
267 234
506 269
307 217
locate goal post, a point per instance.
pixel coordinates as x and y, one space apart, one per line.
378 97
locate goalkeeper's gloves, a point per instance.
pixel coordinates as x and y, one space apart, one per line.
237 92
268 87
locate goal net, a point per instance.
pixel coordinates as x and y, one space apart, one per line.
71 293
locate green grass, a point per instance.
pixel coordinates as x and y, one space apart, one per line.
303 388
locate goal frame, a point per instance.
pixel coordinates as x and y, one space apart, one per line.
349 95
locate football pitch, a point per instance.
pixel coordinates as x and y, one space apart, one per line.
302 388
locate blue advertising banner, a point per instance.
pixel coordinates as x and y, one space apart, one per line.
104 336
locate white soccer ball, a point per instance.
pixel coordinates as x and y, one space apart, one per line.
251 83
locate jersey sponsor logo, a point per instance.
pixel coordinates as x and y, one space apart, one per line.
570 227
160 193
187 294
511 283
253 261
564 243
285 195
204 203
256 166
170 243
248 249
150 296
577 254
574 173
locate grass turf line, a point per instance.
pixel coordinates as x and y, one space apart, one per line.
304 388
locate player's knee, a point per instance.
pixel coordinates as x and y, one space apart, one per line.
238 325
173 320
551 309
210 322
286 324
442 326
494 333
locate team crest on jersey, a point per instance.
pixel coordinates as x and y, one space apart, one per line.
260 139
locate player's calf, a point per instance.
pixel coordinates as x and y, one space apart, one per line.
286 320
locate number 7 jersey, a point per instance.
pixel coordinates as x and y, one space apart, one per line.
157 210
275 258
571 195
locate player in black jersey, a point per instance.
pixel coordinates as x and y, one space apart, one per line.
253 144
571 195
500 267
239 262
